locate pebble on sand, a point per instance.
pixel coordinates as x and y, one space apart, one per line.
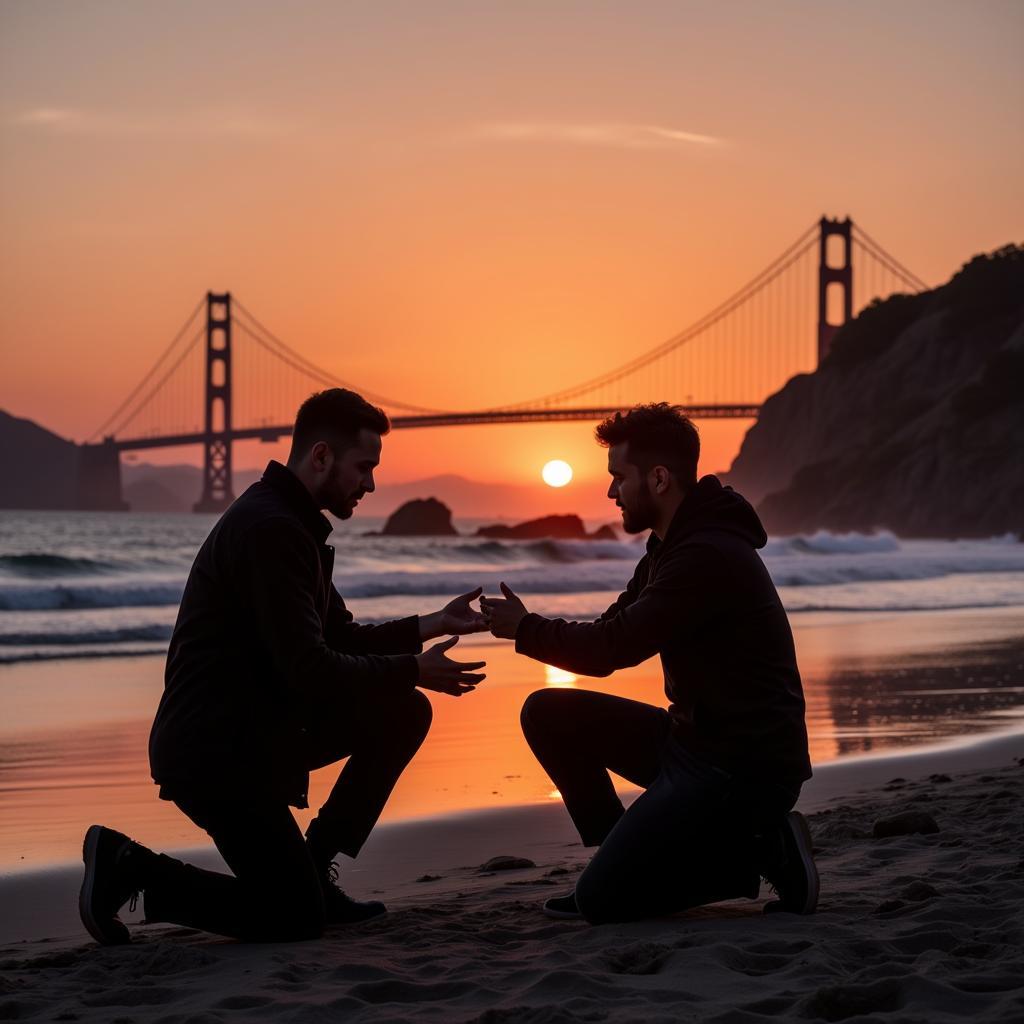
908 823
507 864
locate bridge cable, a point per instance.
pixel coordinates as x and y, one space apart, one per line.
781 263
299 362
320 376
879 259
778 266
163 380
868 243
156 366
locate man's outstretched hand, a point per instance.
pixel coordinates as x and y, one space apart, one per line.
503 615
456 618
439 673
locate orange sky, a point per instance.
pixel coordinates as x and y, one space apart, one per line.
466 204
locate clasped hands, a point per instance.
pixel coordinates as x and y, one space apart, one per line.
500 615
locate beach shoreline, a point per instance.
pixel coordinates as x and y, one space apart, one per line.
40 902
74 734
911 927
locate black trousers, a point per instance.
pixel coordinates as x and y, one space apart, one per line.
275 891
693 836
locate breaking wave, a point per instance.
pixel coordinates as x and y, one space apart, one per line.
41 564
153 632
825 543
72 597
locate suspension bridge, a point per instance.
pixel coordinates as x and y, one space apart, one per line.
226 377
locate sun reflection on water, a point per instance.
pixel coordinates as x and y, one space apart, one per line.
558 677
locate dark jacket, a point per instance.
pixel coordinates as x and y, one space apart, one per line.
262 639
704 602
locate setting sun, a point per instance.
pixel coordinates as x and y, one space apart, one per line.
556 473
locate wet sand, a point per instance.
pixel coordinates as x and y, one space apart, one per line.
73 738
914 927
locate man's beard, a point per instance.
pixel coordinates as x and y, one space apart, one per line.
339 504
642 514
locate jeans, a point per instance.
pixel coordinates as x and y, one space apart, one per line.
275 890
692 837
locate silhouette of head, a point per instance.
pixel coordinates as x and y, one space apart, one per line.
652 459
336 445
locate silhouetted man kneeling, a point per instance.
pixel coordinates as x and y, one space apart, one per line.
722 768
267 678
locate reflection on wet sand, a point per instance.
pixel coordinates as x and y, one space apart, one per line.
920 698
73 742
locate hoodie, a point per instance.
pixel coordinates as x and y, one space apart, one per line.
702 600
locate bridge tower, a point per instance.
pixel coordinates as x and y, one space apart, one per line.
828 274
217 491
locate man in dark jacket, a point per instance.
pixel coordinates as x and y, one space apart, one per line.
723 766
267 678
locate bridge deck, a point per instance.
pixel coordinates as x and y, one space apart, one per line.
275 432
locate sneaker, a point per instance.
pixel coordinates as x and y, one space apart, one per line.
109 883
563 907
340 907
794 875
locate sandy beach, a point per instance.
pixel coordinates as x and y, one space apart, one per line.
917 711
918 927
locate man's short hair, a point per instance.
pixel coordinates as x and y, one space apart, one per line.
657 435
335 416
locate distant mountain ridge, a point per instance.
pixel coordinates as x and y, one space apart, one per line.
914 423
38 470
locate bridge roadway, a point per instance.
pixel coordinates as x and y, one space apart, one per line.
448 419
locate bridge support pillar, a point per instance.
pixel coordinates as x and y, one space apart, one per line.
98 487
828 275
218 489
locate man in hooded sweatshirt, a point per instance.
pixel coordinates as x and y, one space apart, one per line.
722 768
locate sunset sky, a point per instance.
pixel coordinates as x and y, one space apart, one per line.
462 205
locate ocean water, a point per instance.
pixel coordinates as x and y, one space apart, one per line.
900 643
76 585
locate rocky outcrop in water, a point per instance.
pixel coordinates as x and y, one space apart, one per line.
914 423
568 527
421 517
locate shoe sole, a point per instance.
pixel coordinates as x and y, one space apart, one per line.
561 915
90 850
804 847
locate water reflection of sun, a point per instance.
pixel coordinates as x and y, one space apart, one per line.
558 677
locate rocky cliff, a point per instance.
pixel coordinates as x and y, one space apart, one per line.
38 469
914 423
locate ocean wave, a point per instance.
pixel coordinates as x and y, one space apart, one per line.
591 576
13 657
71 597
795 573
37 563
548 550
823 542
465 549
440 584
437 567
150 632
